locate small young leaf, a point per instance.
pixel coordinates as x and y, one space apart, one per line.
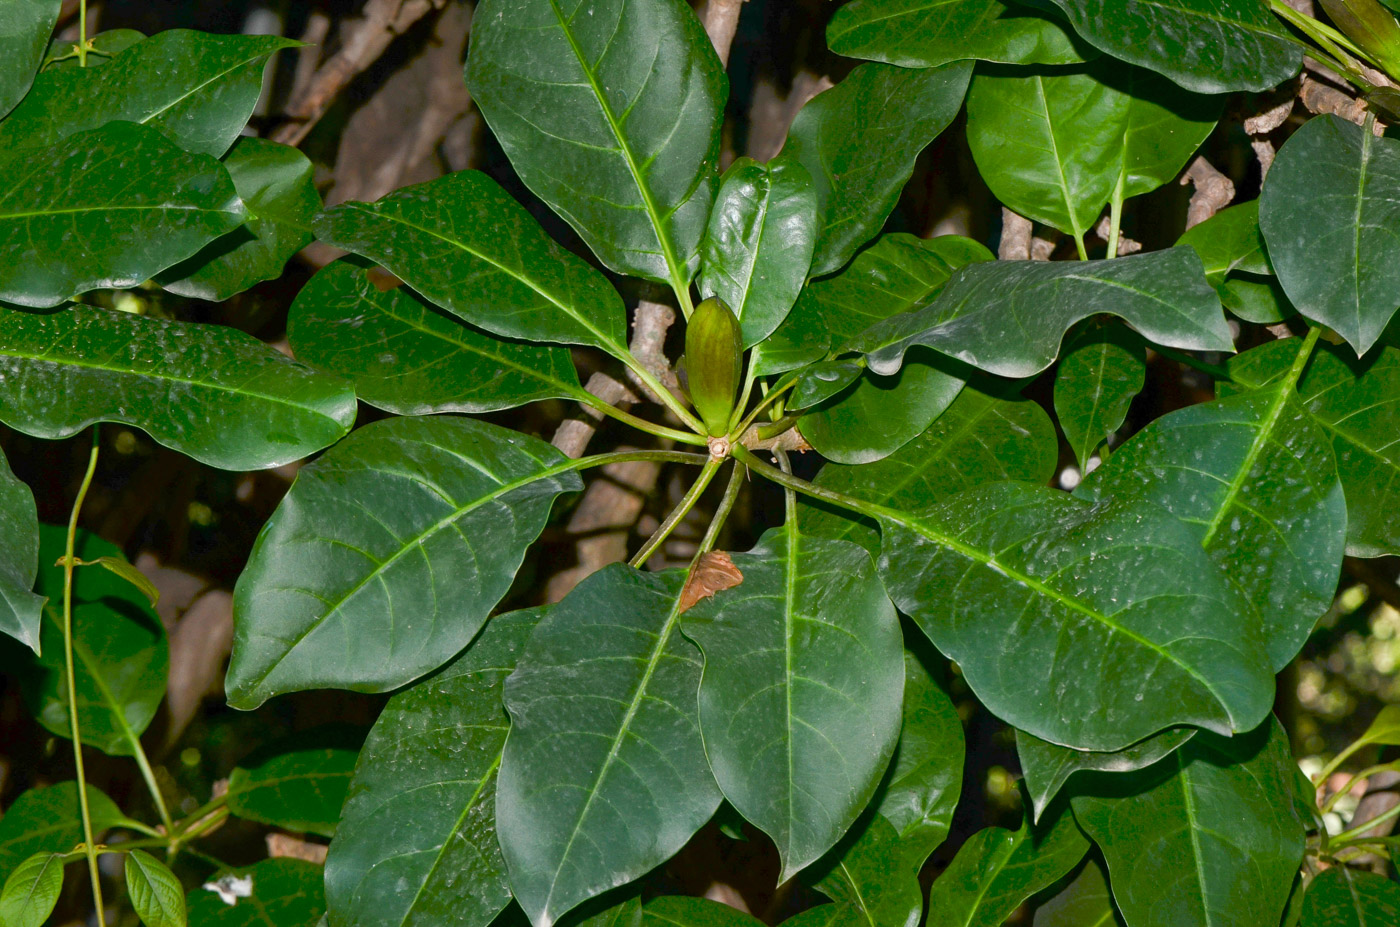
195 87
25 27
407 357
800 701
1100 373
1345 897
758 246
387 555
859 141
31 891
1008 317
47 820
1328 212
213 393
283 893
126 571
138 202
919 34
155 893
1047 767
21 610
301 790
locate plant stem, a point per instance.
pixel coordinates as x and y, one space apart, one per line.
726 505
151 785
1115 216
1366 773
769 398
1079 244
88 841
662 393
683 508
1364 826
641 424
82 49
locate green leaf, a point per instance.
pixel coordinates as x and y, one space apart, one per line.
407 357
800 702
984 436
129 573
897 273
1199 44
104 46
1256 299
1070 620
1084 902
1357 404
155 893
274 182
106 208
1230 242
859 141
872 878
120 653
212 393
1253 479
1055 145
1008 317
1212 825
877 415
387 555
1047 767
195 87
1329 212
47 820
32 890
1100 373
467 246
417 840
1384 729
1343 897
24 32
610 112
285 893
678 911
997 869
604 775
921 791
301 790
928 33
21 611
820 381
758 246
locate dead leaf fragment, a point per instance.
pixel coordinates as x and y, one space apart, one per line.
715 572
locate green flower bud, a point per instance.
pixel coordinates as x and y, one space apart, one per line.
714 362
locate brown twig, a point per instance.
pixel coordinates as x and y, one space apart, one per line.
771 115
1214 191
1015 242
721 21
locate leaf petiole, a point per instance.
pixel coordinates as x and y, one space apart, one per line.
641 424
682 509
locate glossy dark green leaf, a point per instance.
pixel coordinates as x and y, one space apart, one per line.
1206 836
983 437
1054 145
1099 374
301 790
1071 620
997 869
213 393
679 911
1202 45
20 608
898 273
1008 317
610 112
820 381
921 791
1329 212
859 141
877 415
928 33
106 208
873 879
286 893
387 555
24 32
826 915
104 46
800 702
274 182
1230 242
604 775
32 890
467 246
1357 405
47 820
196 87
1255 299
758 246
120 653
1252 477
407 357
417 841
155 893
1343 897
1084 902
1047 767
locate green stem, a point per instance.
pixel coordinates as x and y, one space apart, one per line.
1115 216
744 395
641 424
72 684
82 57
1361 828
1079 245
662 393
680 511
1366 773
726 505
769 398
151 786
1181 357
1328 53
